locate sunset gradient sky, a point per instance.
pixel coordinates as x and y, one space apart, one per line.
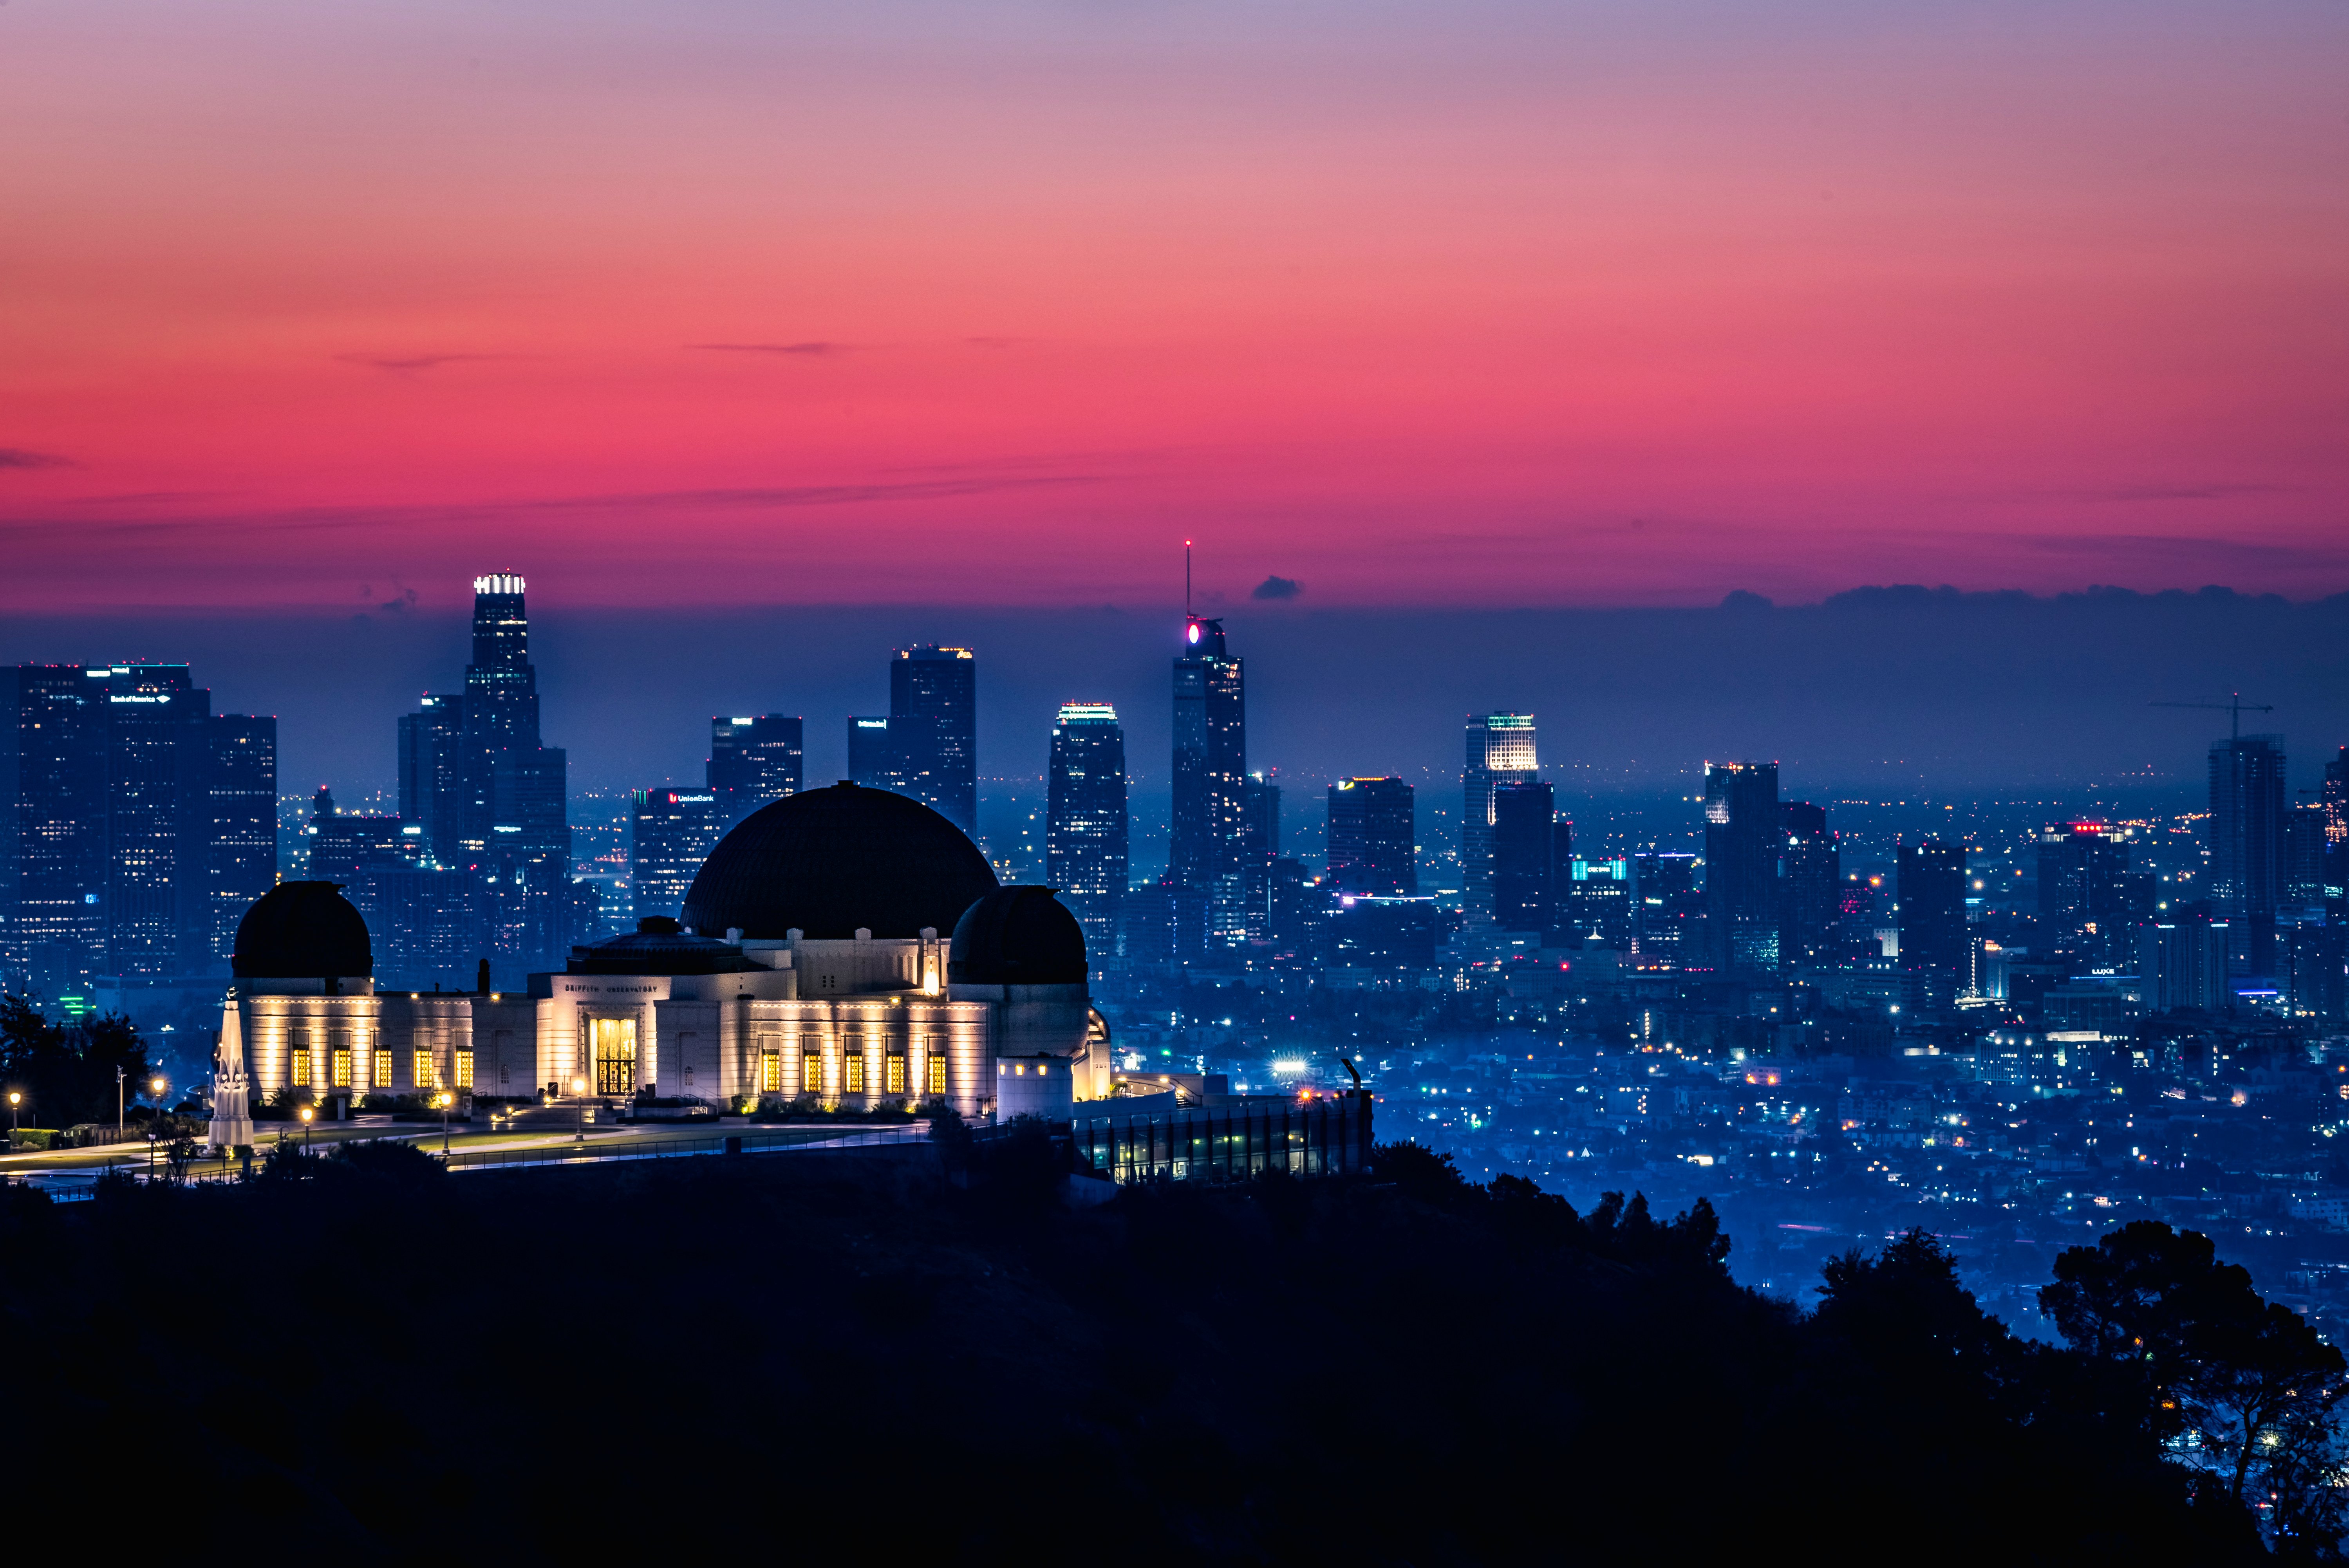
1459 303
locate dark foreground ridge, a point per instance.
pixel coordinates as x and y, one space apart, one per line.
802 1357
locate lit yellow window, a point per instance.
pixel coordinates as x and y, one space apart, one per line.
855 1066
464 1069
811 1074
898 1074
300 1072
382 1074
424 1073
342 1067
937 1075
770 1072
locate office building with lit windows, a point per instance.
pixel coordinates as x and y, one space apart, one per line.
670 833
1374 837
753 760
1810 889
1932 896
1526 856
1500 751
1087 835
137 819
1209 835
1742 836
934 726
2248 799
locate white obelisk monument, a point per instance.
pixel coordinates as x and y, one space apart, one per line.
231 1110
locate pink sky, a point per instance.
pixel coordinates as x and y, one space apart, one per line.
1474 302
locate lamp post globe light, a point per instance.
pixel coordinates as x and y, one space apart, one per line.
307 1112
446 1099
579 1102
15 1102
154 1122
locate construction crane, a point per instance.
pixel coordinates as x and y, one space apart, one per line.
2234 707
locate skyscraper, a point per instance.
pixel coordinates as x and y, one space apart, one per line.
2335 798
873 758
514 827
1933 919
158 759
339 843
1209 821
2304 860
2085 890
2182 962
57 926
1594 901
1500 751
934 724
242 790
670 833
434 783
1742 838
753 761
1525 856
1086 832
2247 850
501 707
1259 847
131 814
1810 888
1668 908
1373 838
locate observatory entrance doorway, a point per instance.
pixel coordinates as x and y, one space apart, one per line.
615 1045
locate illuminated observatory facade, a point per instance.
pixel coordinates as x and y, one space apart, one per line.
848 946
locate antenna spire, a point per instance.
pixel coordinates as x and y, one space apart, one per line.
1187 579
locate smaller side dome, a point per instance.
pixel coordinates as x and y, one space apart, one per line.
299 930
1018 935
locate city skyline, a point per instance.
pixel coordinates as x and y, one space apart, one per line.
862 677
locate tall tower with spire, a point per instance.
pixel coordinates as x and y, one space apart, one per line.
1209 831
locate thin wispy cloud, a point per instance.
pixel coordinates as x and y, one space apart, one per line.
327 520
18 457
815 348
2224 491
414 362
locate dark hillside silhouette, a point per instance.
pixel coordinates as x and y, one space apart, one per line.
798 1356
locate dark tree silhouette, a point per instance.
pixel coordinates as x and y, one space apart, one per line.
2240 1385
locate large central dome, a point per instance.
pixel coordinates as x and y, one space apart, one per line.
828 861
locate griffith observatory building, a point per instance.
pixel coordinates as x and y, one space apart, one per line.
846 945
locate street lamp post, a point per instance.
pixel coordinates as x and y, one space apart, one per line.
444 1097
579 1103
307 1112
154 1125
16 1100
118 1102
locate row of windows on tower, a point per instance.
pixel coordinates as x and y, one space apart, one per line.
141 825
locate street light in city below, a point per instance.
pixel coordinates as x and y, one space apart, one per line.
579 1102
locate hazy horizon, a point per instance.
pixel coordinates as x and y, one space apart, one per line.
1870 693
